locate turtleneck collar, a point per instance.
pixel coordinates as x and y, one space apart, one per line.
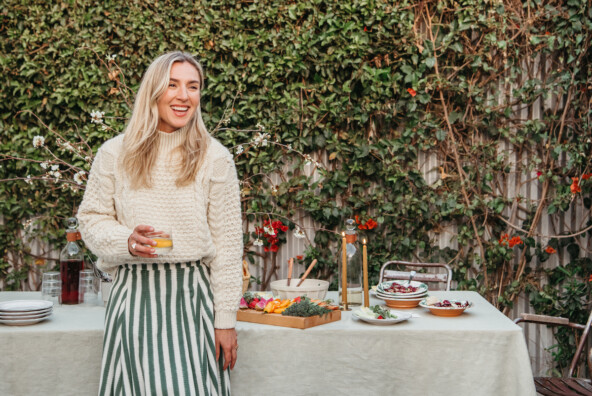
171 140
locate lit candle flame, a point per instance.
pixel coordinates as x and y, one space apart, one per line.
364 241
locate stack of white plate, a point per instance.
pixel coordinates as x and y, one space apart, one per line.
24 312
402 299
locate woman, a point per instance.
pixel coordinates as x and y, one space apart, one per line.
169 326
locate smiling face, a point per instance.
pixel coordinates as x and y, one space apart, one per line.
178 103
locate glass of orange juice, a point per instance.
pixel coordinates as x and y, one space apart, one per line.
163 239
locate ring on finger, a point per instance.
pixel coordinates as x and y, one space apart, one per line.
134 246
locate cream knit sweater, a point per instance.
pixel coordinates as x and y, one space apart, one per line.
205 216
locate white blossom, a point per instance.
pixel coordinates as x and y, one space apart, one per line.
269 230
260 139
79 177
44 165
97 116
239 149
55 167
104 127
55 174
260 127
38 141
274 190
258 242
28 180
298 233
111 57
68 146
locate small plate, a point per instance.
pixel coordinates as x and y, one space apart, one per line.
446 311
24 305
24 317
22 322
401 317
17 314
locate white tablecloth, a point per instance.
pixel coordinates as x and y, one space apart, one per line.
479 353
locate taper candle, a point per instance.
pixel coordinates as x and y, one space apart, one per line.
344 272
290 266
365 273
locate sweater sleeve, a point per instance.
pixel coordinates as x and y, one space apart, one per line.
225 222
101 231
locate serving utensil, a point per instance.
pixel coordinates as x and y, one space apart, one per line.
307 272
411 275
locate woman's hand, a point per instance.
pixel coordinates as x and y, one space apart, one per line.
226 340
137 241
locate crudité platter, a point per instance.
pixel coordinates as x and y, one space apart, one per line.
300 312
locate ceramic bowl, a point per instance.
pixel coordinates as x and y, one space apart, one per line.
311 288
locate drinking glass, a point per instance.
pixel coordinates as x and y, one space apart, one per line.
51 290
163 239
51 276
87 290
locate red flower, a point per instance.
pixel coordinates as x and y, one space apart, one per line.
586 176
284 228
539 173
575 185
550 250
411 91
590 280
370 224
277 224
365 29
299 257
515 241
274 248
504 239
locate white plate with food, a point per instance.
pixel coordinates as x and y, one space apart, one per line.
379 315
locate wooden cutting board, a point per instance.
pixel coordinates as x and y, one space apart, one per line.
253 316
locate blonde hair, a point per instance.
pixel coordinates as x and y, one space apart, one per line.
140 142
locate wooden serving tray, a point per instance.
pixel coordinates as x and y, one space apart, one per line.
296 322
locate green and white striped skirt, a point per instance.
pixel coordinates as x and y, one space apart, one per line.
159 333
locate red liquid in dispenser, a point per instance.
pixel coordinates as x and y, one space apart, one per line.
70 270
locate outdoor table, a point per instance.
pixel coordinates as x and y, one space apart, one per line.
481 352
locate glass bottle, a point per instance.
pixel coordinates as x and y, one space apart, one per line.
71 263
353 255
